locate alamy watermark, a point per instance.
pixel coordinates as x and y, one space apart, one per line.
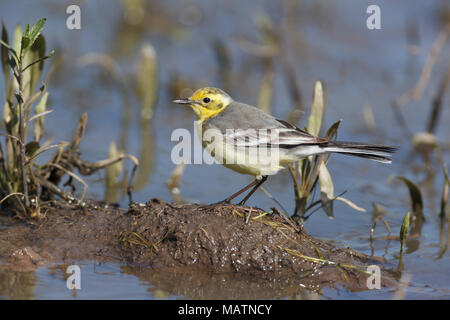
73 21
74 280
374 280
374 20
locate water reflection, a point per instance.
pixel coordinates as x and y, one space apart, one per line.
17 284
218 286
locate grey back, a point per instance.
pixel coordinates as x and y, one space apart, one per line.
242 116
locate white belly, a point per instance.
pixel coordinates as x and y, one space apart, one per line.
245 160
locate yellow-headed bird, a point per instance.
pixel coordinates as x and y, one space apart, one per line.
235 133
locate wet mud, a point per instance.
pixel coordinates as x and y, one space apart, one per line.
221 251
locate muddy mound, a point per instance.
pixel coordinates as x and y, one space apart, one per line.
230 239
179 240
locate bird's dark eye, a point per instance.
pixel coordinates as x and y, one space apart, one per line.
206 100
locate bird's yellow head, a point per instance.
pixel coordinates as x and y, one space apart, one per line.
207 102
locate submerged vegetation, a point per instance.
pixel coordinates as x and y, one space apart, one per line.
312 172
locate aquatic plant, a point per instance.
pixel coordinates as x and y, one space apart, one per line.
23 182
312 173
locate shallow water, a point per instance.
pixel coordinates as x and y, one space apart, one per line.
359 67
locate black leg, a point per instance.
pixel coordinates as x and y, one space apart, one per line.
227 200
258 184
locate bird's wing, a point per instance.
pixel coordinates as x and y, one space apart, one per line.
248 126
284 135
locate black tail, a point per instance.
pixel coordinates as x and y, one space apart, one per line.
375 152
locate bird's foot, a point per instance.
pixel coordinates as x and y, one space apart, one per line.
223 202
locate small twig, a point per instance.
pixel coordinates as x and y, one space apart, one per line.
73 175
65 160
39 115
3 168
12 137
86 168
351 204
372 230
320 201
79 133
10 195
43 149
130 182
19 200
312 205
52 69
437 103
56 190
416 92
27 104
401 119
40 60
272 198
248 215
287 219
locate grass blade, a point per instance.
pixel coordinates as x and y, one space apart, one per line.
5 56
436 109
326 190
445 192
415 194
38 124
404 230
351 204
18 33
147 81
36 55
316 114
332 131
